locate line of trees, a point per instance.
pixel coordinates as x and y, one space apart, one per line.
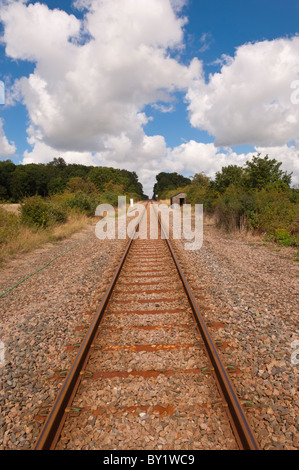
167 182
257 196
56 177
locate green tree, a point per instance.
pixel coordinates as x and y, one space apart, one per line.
200 179
231 174
58 163
260 172
169 181
7 168
56 185
102 175
77 183
29 180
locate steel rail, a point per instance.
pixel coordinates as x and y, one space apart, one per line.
53 425
239 422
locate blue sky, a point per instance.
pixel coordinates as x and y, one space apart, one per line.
198 123
222 26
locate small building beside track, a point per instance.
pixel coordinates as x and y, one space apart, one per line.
179 199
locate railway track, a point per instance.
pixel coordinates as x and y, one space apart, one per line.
147 373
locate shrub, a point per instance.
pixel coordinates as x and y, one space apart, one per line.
284 238
265 210
39 212
201 194
57 214
82 202
229 209
9 225
274 210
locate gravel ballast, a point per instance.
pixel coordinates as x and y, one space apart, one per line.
251 290
40 317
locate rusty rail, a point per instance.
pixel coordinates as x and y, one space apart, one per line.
53 425
239 422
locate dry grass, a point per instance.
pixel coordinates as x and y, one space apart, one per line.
75 223
164 201
14 208
27 239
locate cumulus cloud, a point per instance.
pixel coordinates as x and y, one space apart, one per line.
33 32
120 152
6 148
93 77
249 101
188 158
288 155
195 157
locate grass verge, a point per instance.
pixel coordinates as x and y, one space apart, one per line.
17 238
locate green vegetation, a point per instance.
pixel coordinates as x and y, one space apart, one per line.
255 197
55 200
168 184
57 177
284 238
9 225
38 212
37 222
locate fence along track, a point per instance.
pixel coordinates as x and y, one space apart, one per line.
54 423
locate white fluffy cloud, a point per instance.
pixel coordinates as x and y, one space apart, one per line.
85 92
195 157
6 149
146 158
188 158
288 155
249 101
94 77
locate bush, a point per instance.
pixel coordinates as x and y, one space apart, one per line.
57 214
284 238
82 202
39 212
264 210
229 209
274 210
109 197
9 225
200 194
